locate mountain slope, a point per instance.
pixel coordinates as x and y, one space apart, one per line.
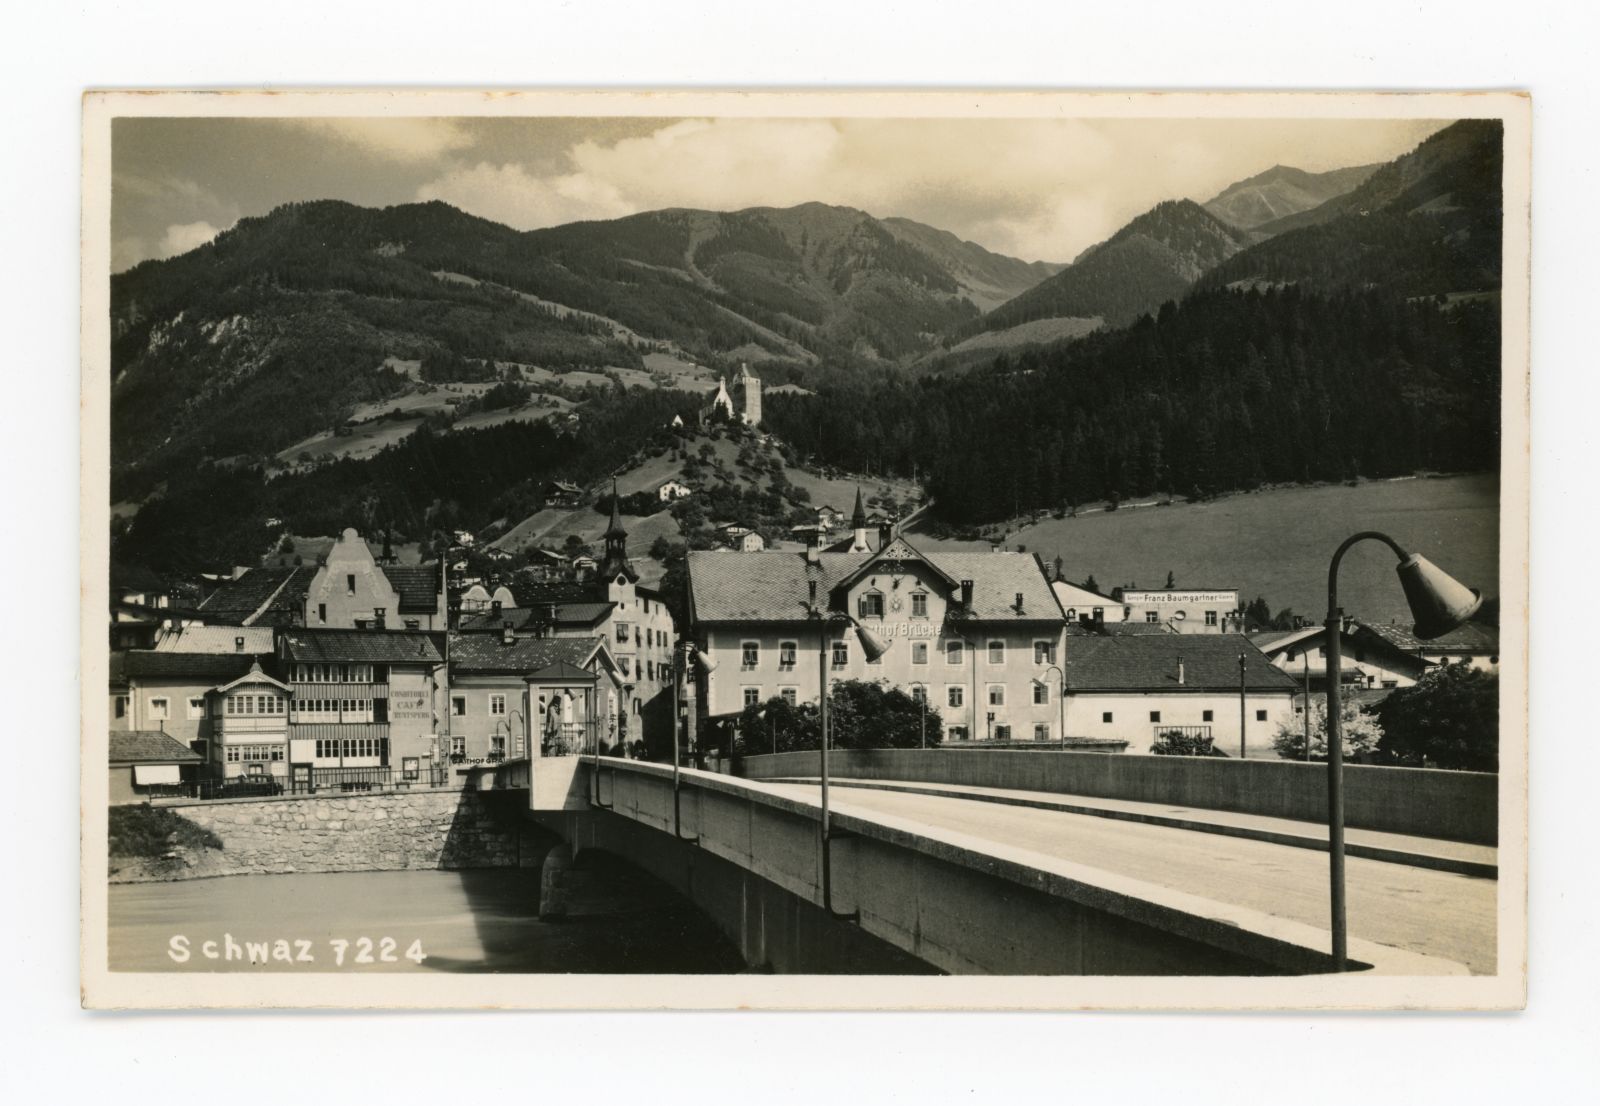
278 329
1428 223
1281 192
1155 258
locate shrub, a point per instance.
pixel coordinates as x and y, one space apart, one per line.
152 832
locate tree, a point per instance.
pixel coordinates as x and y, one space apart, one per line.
1449 719
1171 583
1091 585
1359 732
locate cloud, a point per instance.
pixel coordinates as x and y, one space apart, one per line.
183 237
404 140
511 195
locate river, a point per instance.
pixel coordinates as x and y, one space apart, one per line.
470 921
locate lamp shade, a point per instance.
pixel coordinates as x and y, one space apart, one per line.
707 665
871 644
1439 603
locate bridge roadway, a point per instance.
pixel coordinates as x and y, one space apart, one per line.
1420 910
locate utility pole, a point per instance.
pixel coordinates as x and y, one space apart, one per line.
1241 706
1305 713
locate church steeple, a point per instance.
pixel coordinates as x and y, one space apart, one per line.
858 522
616 558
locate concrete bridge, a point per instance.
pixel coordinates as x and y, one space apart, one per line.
940 876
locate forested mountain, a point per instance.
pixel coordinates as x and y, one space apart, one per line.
278 328
1425 224
1227 390
1155 258
1280 192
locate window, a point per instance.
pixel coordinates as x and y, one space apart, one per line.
1106 717
841 654
1041 693
458 746
1207 715
1002 733
158 707
413 624
1155 716
1391 683
919 694
197 706
752 696
1041 731
350 584
919 604
411 768
997 652
952 653
1151 616
997 695
122 706
1099 614
955 733
458 706
497 705
623 666
497 746
622 632
1044 652
749 655
786 655
955 695
650 670
322 616
870 604
790 695
1261 716
919 652
1211 618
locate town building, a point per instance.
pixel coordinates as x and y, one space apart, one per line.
174 693
511 693
350 589
673 489
1084 605
1185 610
1476 644
145 763
979 634
1371 665
365 699
1138 686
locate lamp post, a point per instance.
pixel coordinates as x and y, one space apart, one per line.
691 655
922 721
1061 698
1305 709
1438 605
872 647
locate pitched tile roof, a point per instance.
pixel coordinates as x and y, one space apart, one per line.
370 646
149 747
216 639
1137 629
418 586
489 654
201 667
1150 663
774 586
265 595
523 618
1469 637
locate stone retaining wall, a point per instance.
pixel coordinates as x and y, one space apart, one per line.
376 832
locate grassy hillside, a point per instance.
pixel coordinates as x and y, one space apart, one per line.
1277 543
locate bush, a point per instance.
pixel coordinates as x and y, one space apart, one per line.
152 832
1176 743
1449 719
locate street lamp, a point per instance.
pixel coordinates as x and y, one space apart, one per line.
1061 698
691 655
922 721
872 647
1438 605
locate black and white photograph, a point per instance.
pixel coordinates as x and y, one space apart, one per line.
805 550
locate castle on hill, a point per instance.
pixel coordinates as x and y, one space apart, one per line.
748 387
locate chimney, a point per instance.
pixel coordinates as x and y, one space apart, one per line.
494 608
966 594
238 644
506 636
813 550
1018 604
811 586
885 534
1180 671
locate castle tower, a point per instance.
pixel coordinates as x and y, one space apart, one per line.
752 395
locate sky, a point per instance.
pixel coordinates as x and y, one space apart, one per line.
1037 189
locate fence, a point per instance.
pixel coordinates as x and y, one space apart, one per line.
317 781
